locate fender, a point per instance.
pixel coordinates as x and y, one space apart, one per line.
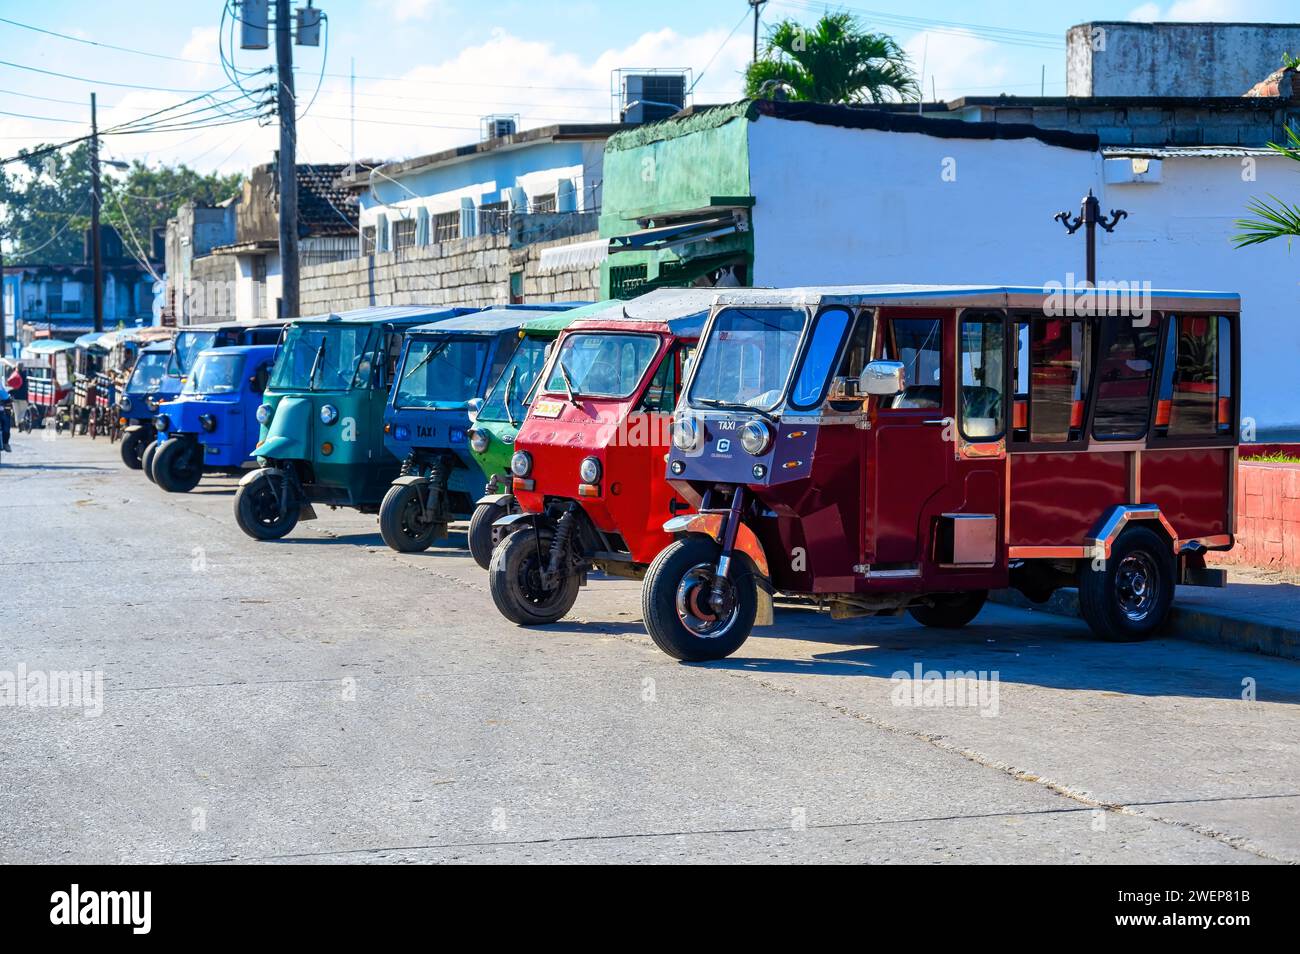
133 428
710 525
501 500
410 480
510 520
305 511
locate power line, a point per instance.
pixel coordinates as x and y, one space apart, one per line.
106 46
97 82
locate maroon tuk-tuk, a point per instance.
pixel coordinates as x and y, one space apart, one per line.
876 450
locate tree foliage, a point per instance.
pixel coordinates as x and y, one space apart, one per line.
836 61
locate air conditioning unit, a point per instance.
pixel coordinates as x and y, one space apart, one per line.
648 97
495 127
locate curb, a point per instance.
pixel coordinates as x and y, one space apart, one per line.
1185 622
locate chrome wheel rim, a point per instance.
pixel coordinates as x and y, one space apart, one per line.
1137 586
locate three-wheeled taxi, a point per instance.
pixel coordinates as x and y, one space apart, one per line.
212 426
322 418
891 448
147 387
499 417
445 368
48 365
588 458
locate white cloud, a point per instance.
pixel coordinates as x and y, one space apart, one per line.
957 64
1191 11
406 10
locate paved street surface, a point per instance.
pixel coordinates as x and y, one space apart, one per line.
325 699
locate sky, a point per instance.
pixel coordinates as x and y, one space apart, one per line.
428 70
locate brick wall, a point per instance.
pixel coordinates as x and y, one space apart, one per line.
472 271
1268 517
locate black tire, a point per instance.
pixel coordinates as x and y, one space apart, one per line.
257 509
1128 599
666 584
146 461
516 590
480 532
399 522
950 610
133 446
178 465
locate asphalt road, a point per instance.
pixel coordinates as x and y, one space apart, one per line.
325 699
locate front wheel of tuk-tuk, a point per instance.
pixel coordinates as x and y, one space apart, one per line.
400 524
514 577
146 461
480 532
133 446
257 508
679 608
177 465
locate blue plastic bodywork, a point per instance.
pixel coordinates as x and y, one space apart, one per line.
442 427
233 414
139 402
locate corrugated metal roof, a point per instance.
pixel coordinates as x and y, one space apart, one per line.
489 321
407 314
1185 152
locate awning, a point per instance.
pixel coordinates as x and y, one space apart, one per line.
91 340
563 258
48 346
667 236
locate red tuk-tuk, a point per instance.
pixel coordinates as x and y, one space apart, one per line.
588 458
881 449
47 364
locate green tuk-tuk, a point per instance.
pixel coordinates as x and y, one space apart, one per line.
492 436
322 417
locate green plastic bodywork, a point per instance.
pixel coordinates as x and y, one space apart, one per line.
495 460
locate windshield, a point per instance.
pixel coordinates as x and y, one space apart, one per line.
441 372
323 358
150 368
747 357
515 382
215 374
187 348
602 364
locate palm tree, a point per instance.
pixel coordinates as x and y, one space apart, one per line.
837 61
1274 218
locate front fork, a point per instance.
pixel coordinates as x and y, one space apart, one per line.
433 495
728 541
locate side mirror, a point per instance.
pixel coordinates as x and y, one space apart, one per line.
883 378
474 406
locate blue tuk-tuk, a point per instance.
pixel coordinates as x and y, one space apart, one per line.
212 427
445 369
148 385
189 342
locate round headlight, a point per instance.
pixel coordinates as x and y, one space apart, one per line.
755 437
163 423
328 414
263 413
686 433
208 422
589 470
521 463
124 404
478 441
151 401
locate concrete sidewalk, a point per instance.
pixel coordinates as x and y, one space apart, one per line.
1257 612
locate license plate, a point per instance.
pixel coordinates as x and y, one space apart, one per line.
547 408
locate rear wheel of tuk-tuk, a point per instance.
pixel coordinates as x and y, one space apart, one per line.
177 465
480 532
400 524
1127 597
514 577
146 461
133 446
949 610
678 608
257 509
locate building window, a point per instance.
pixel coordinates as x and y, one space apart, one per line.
516 288
368 240
544 203
54 299
493 218
403 234
446 226
259 268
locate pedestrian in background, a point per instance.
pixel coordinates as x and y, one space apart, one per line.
17 387
5 423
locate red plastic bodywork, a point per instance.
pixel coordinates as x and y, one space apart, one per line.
632 498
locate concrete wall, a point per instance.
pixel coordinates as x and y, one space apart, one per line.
1268 518
474 271
1174 59
210 292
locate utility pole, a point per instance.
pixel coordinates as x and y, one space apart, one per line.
1090 217
4 327
288 162
758 6
96 246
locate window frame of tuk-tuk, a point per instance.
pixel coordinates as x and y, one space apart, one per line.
1088 362
810 327
883 339
984 316
1232 436
633 393
796 360
1101 342
675 357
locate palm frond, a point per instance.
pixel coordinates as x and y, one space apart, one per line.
1276 220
